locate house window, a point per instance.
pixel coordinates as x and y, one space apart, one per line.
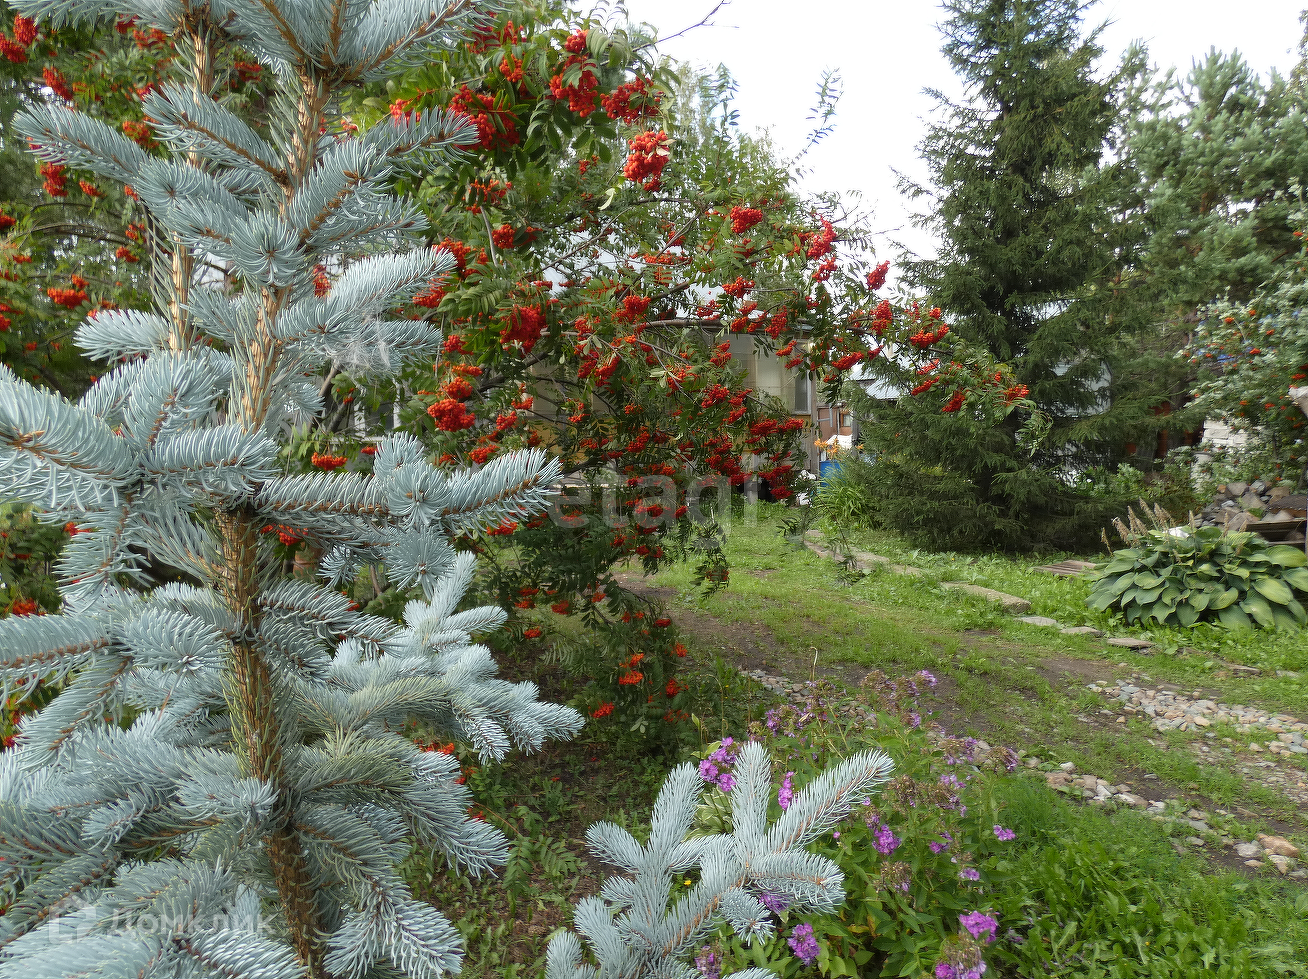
801 392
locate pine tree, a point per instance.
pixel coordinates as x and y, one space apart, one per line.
219 788
1216 153
1032 221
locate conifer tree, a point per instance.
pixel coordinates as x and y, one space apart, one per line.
262 763
1032 227
219 788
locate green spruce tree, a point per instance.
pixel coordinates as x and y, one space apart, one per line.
1035 220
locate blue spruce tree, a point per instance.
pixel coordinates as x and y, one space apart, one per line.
219 788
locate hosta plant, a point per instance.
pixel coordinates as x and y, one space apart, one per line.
1184 575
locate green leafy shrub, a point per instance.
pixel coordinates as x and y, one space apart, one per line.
921 858
1182 576
847 496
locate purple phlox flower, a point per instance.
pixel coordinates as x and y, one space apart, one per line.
946 971
885 840
930 680
786 794
803 944
776 903
716 768
914 719
950 781
835 834
969 873
707 963
937 846
979 925
1004 834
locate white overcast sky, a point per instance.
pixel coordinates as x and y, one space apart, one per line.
888 52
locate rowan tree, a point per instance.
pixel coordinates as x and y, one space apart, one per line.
623 250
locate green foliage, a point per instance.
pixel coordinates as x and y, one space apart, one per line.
1035 224
846 496
924 851
1252 360
1088 908
1181 577
28 550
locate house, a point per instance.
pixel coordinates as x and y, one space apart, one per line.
768 374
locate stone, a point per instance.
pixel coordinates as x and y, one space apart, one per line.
1068 766
1240 521
1194 841
1248 851
1198 824
1236 489
1103 792
1128 643
1250 501
1011 603
1040 620
1278 845
1057 780
1131 799
1253 863
1279 862
1081 630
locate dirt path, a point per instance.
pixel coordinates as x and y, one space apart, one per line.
752 648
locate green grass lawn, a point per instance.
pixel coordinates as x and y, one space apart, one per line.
1095 892
1009 682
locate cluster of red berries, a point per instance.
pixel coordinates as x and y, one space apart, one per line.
632 101
15 49
583 94
69 298
744 218
497 127
139 133
649 155
451 415
328 462
927 338
54 179
58 84
525 325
